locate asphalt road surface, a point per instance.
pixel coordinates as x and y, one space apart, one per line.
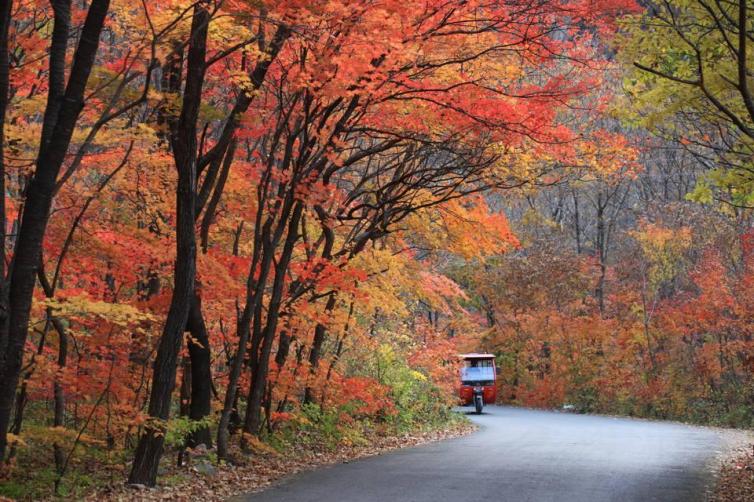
525 455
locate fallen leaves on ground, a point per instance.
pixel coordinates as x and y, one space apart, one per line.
736 479
260 470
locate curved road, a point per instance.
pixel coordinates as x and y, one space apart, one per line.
525 455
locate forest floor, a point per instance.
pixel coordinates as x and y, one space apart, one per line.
735 481
203 480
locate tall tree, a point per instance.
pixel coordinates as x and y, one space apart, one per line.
64 104
184 146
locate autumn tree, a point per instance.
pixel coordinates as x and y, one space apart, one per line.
185 310
689 77
65 100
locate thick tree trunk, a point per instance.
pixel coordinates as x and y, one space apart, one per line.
38 203
201 374
149 449
183 141
284 347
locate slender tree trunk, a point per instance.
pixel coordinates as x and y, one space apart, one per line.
320 335
244 332
338 352
341 340
227 144
231 392
265 242
59 396
252 423
601 254
576 221
22 398
320 331
6 6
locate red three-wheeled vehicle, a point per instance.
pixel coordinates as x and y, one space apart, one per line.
478 374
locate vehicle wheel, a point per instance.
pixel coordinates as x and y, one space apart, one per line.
478 404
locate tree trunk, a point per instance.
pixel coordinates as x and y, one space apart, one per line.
253 295
320 334
201 373
59 395
183 142
244 331
252 422
601 252
37 206
6 7
576 221
225 141
265 242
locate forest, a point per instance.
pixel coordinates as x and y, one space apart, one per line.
235 226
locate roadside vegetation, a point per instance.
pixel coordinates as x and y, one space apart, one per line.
410 411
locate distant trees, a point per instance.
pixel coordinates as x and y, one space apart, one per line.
663 342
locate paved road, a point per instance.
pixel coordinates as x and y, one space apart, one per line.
524 455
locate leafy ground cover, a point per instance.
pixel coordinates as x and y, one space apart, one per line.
736 479
202 477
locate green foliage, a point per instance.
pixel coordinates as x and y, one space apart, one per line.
726 405
181 427
314 426
418 401
38 480
414 403
583 396
681 62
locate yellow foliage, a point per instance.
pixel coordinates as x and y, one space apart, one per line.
120 314
258 446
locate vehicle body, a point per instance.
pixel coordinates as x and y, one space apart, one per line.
478 375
